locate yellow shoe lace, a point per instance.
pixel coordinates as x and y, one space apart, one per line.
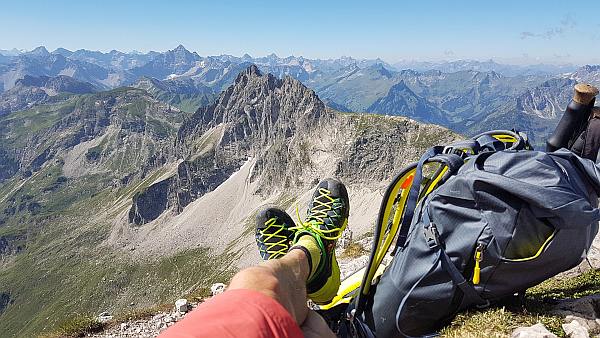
318 214
265 237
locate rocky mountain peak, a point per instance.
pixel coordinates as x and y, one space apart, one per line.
381 70
181 49
182 54
39 51
401 86
63 51
401 100
258 107
253 118
251 71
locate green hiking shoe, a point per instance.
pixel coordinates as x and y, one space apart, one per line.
326 219
273 235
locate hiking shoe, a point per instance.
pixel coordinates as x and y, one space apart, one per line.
273 235
326 219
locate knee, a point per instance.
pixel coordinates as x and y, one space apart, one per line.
257 278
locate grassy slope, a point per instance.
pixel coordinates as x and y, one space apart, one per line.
64 272
502 319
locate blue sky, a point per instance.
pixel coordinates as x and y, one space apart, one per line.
508 31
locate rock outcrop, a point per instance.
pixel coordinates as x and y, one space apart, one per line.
535 331
193 179
5 300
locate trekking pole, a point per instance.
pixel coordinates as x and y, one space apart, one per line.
575 117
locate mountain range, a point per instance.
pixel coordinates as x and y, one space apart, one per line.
458 94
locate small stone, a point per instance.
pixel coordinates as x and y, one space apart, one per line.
575 330
104 317
535 331
124 326
345 239
181 305
217 288
167 319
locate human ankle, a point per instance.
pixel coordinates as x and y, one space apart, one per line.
309 245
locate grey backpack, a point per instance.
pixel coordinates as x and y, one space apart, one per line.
490 224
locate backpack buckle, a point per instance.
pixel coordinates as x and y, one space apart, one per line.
432 236
456 151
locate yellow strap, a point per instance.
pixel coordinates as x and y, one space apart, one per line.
348 287
505 138
385 241
435 182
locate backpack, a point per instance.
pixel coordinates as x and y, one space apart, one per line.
473 222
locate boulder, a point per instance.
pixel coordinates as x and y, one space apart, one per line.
575 330
589 324
535 331
182 305
581 307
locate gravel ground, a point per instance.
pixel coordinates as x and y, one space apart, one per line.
150 327
153 326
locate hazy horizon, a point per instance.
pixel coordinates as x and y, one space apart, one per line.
440 60
509 32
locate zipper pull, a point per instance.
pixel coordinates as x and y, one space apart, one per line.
478 258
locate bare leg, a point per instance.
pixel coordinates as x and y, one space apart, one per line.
282 279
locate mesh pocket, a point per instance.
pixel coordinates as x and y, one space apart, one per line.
530 237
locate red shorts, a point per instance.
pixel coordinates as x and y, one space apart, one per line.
237 313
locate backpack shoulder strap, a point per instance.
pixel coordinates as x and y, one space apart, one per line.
453 161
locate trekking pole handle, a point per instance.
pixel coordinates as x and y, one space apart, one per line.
584 93
576 115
